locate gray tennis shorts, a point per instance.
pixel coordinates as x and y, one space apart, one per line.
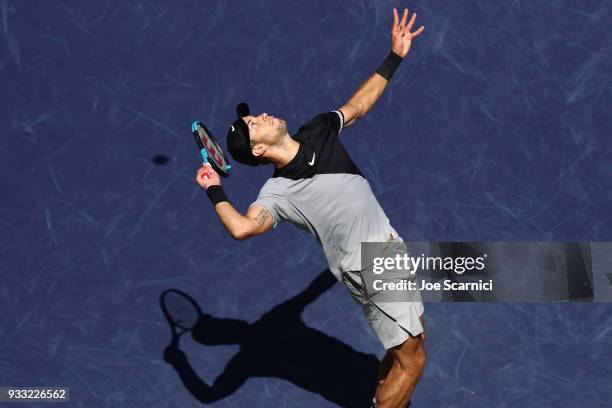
405 309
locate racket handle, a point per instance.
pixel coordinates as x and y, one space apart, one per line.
175 342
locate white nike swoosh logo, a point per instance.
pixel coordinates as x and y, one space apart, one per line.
232 128
312 161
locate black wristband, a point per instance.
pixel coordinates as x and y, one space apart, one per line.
216 194
389 65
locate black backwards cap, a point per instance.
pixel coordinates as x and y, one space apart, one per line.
238 139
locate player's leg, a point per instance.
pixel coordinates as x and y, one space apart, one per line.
407 366
387 361
402 371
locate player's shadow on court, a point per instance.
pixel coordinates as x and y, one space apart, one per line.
279 344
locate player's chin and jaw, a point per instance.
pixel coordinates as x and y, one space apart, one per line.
276 132
281 131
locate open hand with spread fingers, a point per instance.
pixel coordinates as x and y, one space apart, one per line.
401 37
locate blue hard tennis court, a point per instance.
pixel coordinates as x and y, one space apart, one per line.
495 128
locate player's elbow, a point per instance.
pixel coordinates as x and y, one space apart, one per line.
240 234
243 230
365 107
359 108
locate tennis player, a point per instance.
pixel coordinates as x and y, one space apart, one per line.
317 187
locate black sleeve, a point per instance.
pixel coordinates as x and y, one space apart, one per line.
328 124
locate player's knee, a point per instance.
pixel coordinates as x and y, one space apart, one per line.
420 357
412 358
417 361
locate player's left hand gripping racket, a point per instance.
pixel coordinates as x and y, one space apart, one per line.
210 149
182 312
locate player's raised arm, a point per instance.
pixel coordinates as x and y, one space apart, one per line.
257 219
369 91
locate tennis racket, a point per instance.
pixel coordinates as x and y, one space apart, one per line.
209 149
181 311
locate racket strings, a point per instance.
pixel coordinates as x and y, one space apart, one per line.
211 146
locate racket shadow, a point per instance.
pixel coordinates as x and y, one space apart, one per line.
281 345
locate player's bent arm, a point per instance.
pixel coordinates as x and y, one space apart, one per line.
256 221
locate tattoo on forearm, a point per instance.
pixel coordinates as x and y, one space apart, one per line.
261 216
